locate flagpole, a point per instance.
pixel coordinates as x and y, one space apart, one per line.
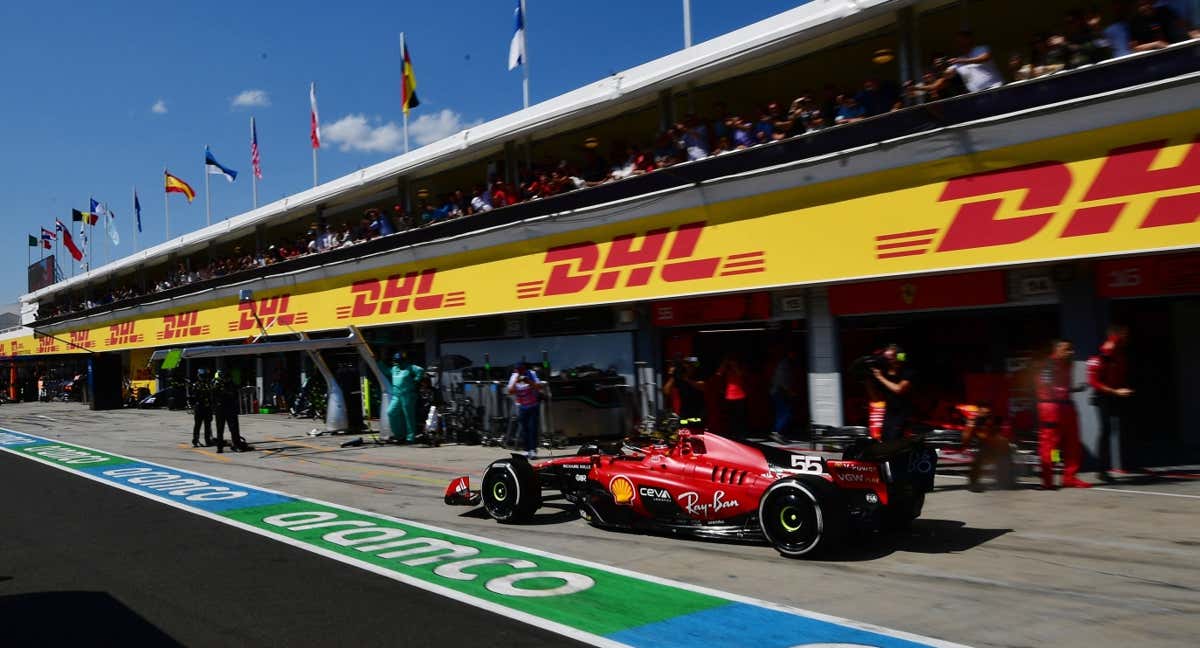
403 80
253 175
207 204
134 220
105 245
525 55
687 23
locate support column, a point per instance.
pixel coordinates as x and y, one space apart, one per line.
1185 321
1083 317
510 163
907 45
258 380
666 110
824 373
648 360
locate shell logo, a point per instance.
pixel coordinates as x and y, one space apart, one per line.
621 489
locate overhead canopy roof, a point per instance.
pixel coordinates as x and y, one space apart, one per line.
817 23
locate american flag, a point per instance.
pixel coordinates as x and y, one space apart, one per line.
254 161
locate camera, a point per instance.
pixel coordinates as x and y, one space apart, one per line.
861 368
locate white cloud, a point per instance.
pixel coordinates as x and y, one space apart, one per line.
252 99
427 129
159 107
359 133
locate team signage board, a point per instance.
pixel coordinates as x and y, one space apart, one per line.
1129 189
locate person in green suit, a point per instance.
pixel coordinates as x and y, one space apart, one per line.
402 410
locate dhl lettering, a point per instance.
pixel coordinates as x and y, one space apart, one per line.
83 339
182 325
1127 172
636 258
47 345
397 293
123 334
265 313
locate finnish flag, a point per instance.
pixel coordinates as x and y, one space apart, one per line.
516 49
214 168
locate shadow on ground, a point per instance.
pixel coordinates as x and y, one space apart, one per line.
95 618
925 536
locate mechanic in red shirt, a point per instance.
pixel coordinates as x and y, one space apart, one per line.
733 374
1058 421
1108 376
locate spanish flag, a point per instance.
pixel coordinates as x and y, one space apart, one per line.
408 84
175 185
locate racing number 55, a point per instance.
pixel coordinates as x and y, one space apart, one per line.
808 464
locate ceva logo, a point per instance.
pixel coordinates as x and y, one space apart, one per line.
1127 172
633 260
397 293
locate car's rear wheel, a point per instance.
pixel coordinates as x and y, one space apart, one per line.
900 513
802 517
511 493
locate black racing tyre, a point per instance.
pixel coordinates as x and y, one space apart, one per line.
511 493
900 513
802 516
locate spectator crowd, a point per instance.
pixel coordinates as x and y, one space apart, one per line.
1084 37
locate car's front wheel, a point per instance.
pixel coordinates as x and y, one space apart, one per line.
511 493
802 517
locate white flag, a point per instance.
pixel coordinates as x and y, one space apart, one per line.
516 49
314 131
110 225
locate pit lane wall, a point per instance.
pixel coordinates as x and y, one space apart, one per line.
1128 188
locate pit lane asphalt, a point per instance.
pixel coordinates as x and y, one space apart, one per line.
85 564
1073 569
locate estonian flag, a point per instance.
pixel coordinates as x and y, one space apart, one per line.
214 168
516 49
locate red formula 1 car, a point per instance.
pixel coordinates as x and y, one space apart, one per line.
710 486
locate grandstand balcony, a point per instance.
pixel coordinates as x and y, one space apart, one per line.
800 48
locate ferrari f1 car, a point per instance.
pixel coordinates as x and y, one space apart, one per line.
710 486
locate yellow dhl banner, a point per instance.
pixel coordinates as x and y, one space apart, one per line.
1132 188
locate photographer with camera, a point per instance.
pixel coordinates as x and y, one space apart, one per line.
526 388
992 448
890 383
685 389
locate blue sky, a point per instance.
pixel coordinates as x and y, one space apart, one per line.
101 96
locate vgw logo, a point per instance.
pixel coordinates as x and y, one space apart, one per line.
269 311
123 334
182 325
633 260
397 293
1127 172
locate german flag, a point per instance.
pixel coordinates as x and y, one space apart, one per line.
84 217
175 185
408 84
